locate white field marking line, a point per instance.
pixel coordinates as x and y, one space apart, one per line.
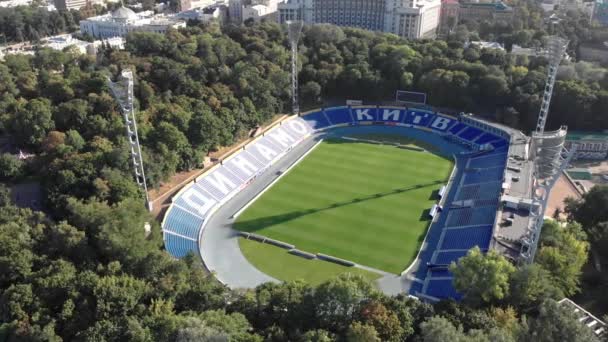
240 211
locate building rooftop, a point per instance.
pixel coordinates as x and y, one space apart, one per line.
580 135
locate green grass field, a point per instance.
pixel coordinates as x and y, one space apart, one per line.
293 267
357 201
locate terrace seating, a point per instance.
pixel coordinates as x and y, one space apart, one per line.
440 273
339 115
500 143
178 246
316 120
470 133
457 128
471 216
442 288
489 160
467 238
181 222
483 176
486 138
448 257
233 165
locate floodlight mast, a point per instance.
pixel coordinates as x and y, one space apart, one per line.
550 155
556 47
294 29
123 93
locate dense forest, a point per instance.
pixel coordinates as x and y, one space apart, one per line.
84 270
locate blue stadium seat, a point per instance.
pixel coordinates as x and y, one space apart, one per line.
416 287
440 273
486 138
470 216
470 133
457 128
483 176
179 247
488 160
339 115
316 120
442 289
479 191
448 257
500 143
182 222
467 238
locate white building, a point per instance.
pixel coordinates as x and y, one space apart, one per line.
242 10
216 12
412 19
123 20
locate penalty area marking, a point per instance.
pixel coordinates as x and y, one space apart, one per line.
240 211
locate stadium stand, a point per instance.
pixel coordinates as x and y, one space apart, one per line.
483 175
317 120
477 177
441 288
467 238
471 216
339 115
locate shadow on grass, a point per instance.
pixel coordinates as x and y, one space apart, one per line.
263 222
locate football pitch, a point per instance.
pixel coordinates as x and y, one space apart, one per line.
367 203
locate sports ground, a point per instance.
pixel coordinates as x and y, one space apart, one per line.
367 203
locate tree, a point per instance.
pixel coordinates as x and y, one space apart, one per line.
11 167
338 300
530 285
482 278
33 121
563 253
358 332
439 329
556 323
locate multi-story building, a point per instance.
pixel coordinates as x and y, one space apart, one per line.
475 11
242 10
589 145
449 15
123 20
411 19
73 4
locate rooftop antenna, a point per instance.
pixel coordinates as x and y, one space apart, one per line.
294 29
123 93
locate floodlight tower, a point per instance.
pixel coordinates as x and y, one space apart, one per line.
549 154
294 29
123 93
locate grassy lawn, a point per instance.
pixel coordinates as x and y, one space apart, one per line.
277 263
362 202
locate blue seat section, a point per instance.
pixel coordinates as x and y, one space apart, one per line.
368 114
442 289
448 257
418 117
440 273
483 175
416 287
178 246
500 143
470 133
486 138
467 238
251 168
457 128
339 115
488 160
471 216
182 222
316 120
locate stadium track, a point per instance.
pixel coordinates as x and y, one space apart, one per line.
219 246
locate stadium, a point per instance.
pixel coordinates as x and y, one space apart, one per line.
394 193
